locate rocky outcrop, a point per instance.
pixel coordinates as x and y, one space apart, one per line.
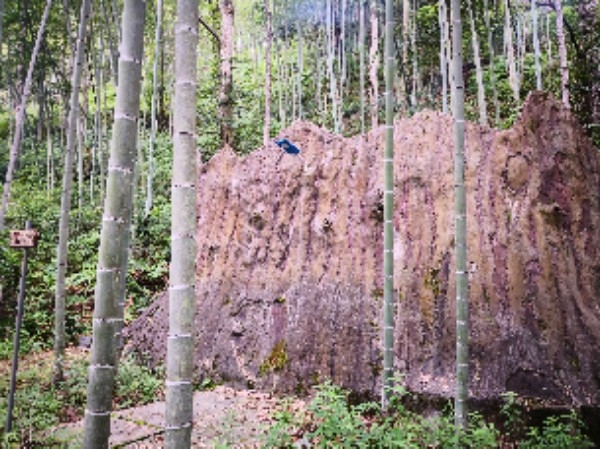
290 254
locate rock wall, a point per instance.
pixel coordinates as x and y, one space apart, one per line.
290 261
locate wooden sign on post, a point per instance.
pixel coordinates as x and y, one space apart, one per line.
26 238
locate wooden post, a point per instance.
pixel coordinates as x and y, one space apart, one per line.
19 239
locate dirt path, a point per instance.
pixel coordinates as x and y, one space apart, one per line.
223 416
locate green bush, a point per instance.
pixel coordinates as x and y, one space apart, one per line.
330 421
40 405
136 384
557 432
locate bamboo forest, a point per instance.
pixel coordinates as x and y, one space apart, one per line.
300 224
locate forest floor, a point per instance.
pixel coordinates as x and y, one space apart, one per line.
223 417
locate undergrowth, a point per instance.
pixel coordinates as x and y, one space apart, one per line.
41 406
330 421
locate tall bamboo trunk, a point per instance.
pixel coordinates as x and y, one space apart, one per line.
268 40
153 106
67 17
333 88
80 148
562 54
486 16
114 51
225 99
300 69
460 214
513 76
104 126
182 299
483 120
416 74
443 20
281 84
374 65
345 45
65 201
589 26
388 209
536 45
50 180
405 79
1 36
549 40
15 148
361 53
114 238
98 134
321 102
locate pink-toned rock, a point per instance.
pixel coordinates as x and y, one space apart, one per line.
290 255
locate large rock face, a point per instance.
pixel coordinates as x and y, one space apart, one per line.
290 261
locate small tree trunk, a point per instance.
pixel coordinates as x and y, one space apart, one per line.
460 215
65 201
1 36
49 158
97 59
513 76
300 69
101 157
443 20
114 238
182 298
41 101
536 46
405 47
321 101
486 16
330 67
114 52
67 16
15 149
153 119
80 156
281 83
589 25
562 53
225 100
388 210
548 40
483 120
416 75
361 52
374 65
268 40
343 50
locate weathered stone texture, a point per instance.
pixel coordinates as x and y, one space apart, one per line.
290 255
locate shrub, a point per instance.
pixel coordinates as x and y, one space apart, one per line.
330 421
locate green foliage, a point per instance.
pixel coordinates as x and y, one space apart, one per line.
331 421
136 384
334 423
286 424
4 125
512 413
41 209
40 405
32 200
149 261
558 432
